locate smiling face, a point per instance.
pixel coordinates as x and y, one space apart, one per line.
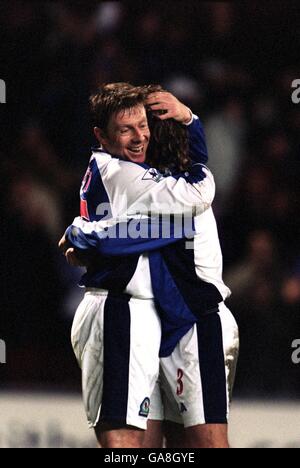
127 134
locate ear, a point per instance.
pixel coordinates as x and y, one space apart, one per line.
100 135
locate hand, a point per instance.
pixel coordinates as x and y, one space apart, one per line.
64 244
174 109
73 259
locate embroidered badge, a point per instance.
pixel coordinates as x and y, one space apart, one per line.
153 174
145 408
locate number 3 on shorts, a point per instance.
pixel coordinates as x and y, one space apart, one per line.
180 375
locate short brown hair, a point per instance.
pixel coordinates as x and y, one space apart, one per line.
112 98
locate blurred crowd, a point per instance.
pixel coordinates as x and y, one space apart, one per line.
234 65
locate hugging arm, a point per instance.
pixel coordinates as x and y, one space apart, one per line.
143 228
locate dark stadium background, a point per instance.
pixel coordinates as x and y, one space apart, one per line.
234 65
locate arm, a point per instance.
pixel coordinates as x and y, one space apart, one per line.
145 190
192 194
174 109
197 143
132 237
188 194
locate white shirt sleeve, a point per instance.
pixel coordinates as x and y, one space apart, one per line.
142 190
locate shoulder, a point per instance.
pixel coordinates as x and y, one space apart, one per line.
127 169
105 163
101 157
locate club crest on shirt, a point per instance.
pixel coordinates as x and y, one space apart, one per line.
153 174
145 408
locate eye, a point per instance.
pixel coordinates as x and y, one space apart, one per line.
123 131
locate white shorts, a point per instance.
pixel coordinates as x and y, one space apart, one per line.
196 381
116 341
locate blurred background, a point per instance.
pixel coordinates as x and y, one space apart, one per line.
234 64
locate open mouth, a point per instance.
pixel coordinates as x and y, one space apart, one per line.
136 151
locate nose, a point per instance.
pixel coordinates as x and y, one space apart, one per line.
138 134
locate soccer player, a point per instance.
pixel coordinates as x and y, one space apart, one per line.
195 389
116 332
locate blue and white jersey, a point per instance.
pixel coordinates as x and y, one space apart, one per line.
186 283
114 189
106 190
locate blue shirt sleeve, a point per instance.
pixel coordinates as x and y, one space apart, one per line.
197 142
132 237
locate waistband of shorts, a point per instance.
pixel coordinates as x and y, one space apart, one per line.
105 292
96 292
213 310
